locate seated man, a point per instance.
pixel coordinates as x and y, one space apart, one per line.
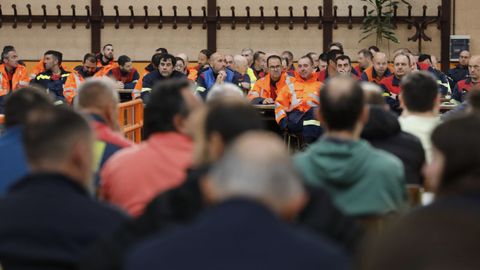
463 86
125 75
391 84
217 73
460 72
295 102
105 60
331 69
98 99
54 77
152 66
133 176
344 66
266 89
361 179
13 163
421 102
165 70
364 61
52 218
258 65
378 71
240 66
252 189
80 73
13 76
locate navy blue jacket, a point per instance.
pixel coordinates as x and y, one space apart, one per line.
154 77
13 163
457 74
55 87
206 80
237 234
48 221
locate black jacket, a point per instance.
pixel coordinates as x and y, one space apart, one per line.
54 87
182 205
236 234
154 77
383 131
48 221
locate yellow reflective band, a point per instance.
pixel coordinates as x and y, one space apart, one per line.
43 77
386 94
311 123
98 149
66 75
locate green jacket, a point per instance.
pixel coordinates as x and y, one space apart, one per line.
361 179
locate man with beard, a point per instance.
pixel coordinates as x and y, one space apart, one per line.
80 73
54 77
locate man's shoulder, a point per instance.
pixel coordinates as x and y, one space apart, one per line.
383 160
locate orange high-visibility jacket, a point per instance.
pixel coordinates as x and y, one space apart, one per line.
300 95
72 83
262 88
192 74
20 79
370 75
39 68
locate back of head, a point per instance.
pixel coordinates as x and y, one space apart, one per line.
224 91
257 167
474 99
22 102
97 93
50 137
373 94
230 118
207 53
341 103
457 141
166 101
419 92
90 58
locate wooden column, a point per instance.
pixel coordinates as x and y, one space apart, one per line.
212 25
445 34
328 23
95 27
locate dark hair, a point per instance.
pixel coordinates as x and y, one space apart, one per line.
424 57
402 54
273 56
457 140
123 59
6 50
51 134
332 55
165 57
231 119
155 60
323 57
419 91
106 45
474 98
290 54
179 59
22 102
343 57
307 57
257 54
341 108
368 54
336 44
207 53
311 54
90 58
58 55
374 48
166 101
161 50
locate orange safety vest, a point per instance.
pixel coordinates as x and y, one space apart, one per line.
375 79
72 84
192 74
262 87
298 94
137 90
39 68
20 79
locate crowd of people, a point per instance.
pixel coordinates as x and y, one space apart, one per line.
209 187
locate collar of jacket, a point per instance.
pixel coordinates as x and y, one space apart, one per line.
47 180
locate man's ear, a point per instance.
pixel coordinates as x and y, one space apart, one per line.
365 115
402 101
294 207
215 146
207 190
179 124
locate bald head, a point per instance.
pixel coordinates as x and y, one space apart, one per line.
474 67
380 63
184 57
217 62
257 166
240 64
342 104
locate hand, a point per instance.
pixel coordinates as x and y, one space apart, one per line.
268 101
245 85
221 77
120 85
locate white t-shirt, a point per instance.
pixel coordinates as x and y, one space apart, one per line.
422 127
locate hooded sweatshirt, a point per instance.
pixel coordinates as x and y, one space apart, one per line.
361 179
383 132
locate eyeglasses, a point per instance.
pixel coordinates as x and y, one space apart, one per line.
275 67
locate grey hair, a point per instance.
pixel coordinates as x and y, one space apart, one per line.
225 90
103 82
267 175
